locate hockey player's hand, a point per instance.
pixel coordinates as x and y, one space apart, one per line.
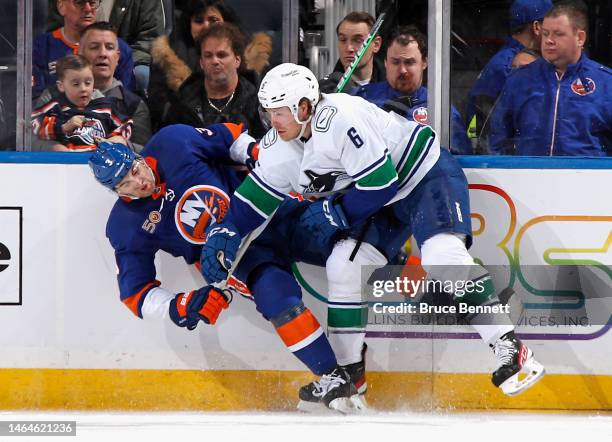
253 154
329 83
219 251
205 304
323 219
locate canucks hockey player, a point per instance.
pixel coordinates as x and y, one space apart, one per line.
169 195
379 178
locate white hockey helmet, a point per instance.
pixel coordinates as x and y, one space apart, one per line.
286 85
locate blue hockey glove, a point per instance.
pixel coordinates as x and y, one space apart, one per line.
253 155
324 219
205 304
219 251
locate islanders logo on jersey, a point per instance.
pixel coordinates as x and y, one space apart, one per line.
582 89
420 115
195 210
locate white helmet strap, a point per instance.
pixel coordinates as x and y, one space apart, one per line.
302 123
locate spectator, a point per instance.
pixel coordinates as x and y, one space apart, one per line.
352 32
51 46
177 56
525 23
403 91
138 22
560 104
265 28
524 57
218 94
81 114
99 45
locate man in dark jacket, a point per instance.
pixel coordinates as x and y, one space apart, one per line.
352 32
138 22
219 95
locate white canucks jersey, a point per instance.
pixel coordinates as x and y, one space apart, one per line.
353 143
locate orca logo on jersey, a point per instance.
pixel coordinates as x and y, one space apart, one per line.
322 183
197 208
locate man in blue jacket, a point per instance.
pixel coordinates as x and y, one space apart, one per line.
525 27
49 47
560 104
403 91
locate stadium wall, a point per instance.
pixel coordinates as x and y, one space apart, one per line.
68 343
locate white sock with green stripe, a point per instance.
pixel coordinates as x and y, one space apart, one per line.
347 312
445 258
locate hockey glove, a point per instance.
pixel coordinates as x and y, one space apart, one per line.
205 304
253 154
219 251
329 83
324 219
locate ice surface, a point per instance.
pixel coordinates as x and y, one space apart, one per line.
498 426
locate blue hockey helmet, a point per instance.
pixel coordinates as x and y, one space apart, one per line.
111 162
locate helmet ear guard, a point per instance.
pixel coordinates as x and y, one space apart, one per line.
286 85
111 162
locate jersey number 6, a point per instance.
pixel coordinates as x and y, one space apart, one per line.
355 138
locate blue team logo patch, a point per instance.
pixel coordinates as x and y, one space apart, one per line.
583 88
420 115
195 210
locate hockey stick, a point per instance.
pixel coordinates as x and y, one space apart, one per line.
364 47
244 245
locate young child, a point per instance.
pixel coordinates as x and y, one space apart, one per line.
80 114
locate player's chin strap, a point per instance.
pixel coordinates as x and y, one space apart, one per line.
304 124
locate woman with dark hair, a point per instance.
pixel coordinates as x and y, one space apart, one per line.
176 56
219 92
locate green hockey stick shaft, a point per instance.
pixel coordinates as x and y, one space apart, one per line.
364 47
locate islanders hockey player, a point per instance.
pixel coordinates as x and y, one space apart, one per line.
378 178
169 196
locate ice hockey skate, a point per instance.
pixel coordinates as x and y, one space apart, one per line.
517 370
333 391
357 375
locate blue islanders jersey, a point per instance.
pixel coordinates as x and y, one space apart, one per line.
51 46
415 109
194 187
